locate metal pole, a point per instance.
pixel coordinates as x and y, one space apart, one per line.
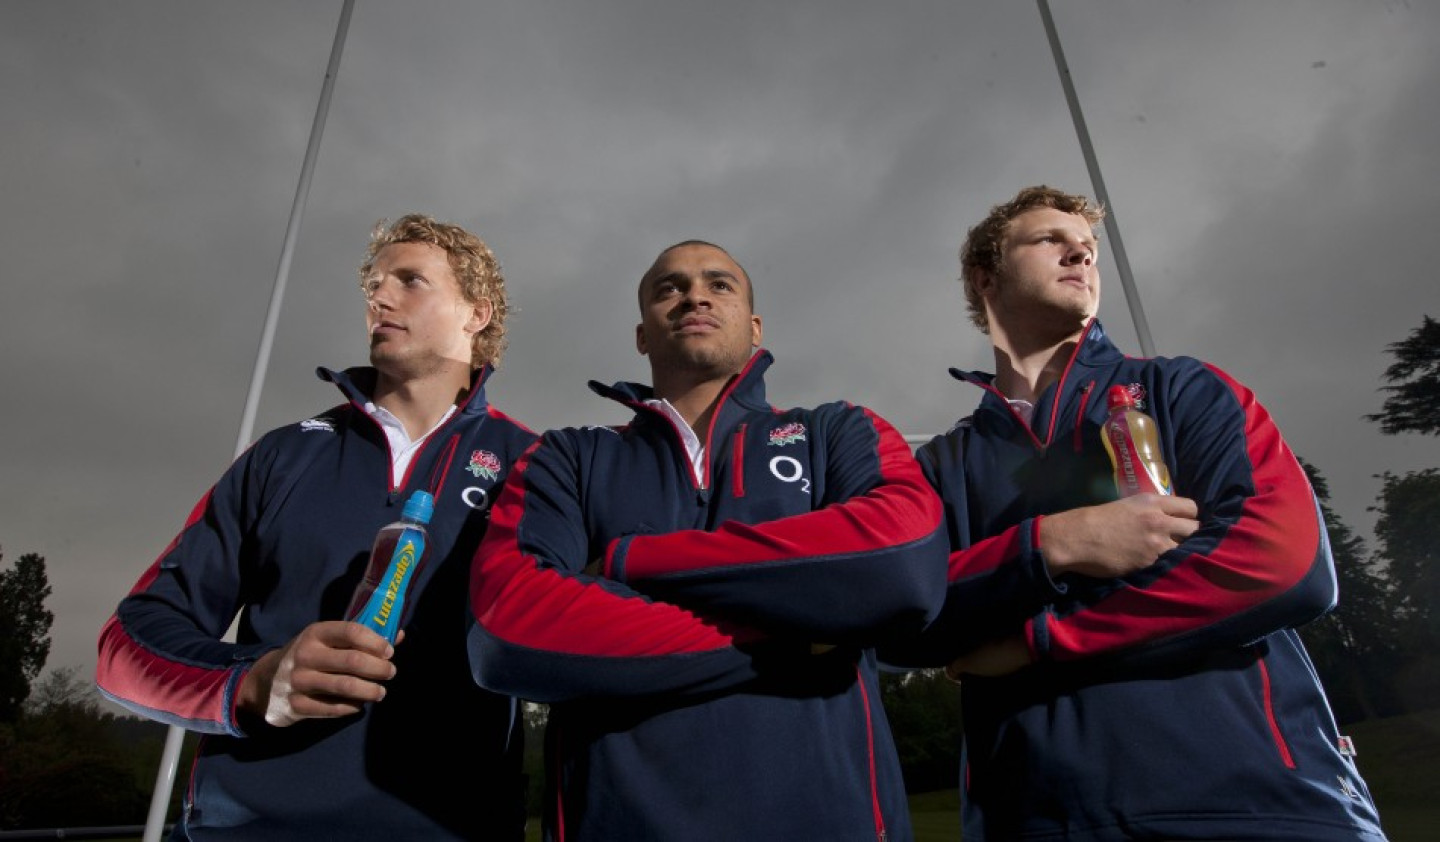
165 777
1112 225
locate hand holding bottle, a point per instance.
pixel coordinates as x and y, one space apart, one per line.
1116 538
331 668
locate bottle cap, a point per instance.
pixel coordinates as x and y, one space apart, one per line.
1119 396
420 506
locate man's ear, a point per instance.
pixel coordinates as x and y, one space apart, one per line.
984 281
640 340
480 315
757 331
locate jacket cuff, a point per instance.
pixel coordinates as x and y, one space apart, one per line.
615 555
1033 559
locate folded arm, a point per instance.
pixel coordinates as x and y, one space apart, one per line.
867 561
547 631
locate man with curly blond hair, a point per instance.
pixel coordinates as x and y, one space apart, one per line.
316 727
473 263
1129 665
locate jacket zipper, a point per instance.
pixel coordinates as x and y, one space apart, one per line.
880 833
442 466
1279 738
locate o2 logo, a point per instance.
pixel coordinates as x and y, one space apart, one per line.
476 498
789 469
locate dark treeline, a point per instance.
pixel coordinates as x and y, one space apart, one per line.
65 762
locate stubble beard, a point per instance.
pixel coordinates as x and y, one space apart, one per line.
1049 314
403 364
708 360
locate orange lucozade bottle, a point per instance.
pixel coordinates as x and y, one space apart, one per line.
1133 443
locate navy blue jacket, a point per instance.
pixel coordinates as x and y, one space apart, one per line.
282 539
705 641
1177 702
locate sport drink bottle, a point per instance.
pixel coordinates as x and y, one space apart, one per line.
395 559
1133 443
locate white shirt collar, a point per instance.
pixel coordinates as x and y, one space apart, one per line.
693 448
402 447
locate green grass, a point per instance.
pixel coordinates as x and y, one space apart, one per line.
1399 758
935 816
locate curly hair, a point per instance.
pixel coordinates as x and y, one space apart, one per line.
475 267
984 245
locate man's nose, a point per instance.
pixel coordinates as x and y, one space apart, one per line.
696 296
378 296
1077 256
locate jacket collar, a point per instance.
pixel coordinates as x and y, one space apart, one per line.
745 390
1095 350
358 384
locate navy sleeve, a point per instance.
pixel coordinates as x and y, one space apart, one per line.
161 654
993 586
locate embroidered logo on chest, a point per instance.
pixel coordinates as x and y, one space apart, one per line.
788 469
484 464
788 434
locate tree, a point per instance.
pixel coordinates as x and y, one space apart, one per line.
24 631
923 707
1408 532
68 764
1414 402
1354 647
1409 523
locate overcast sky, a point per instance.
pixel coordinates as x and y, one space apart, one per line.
1271 167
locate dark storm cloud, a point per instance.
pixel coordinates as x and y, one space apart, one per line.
1270 165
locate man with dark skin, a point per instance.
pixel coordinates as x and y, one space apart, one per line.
697 593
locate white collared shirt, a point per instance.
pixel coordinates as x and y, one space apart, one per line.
693 448
402 447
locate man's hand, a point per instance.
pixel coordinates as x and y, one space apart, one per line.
1113 539
329 669
993 659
